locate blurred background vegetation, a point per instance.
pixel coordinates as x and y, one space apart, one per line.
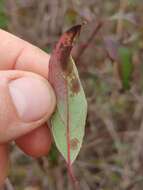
109 56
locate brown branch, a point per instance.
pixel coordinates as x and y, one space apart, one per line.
120 25
89 40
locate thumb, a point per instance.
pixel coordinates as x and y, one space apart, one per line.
26 101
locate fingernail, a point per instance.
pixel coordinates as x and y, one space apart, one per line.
32 97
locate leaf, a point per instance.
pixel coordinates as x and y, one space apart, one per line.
126 66
123 57
68 121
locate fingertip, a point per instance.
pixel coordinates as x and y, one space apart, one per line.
33 59
33 97
27 101
36 143
22 55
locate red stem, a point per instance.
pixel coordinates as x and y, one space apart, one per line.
69 166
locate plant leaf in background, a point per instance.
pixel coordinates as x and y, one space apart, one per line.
3 17
123 57
71 16
68 121
126 67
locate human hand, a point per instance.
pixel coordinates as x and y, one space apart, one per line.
26 99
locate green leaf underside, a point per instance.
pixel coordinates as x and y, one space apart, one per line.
77 110
126 66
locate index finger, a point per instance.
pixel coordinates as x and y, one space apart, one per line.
16 53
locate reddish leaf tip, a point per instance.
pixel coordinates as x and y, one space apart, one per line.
74 31
64 46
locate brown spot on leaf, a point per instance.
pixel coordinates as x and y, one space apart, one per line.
75 86
74 143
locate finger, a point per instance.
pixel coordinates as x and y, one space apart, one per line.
37 143
4 162
22 55
26 101
19 54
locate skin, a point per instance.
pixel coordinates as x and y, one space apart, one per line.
19 58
